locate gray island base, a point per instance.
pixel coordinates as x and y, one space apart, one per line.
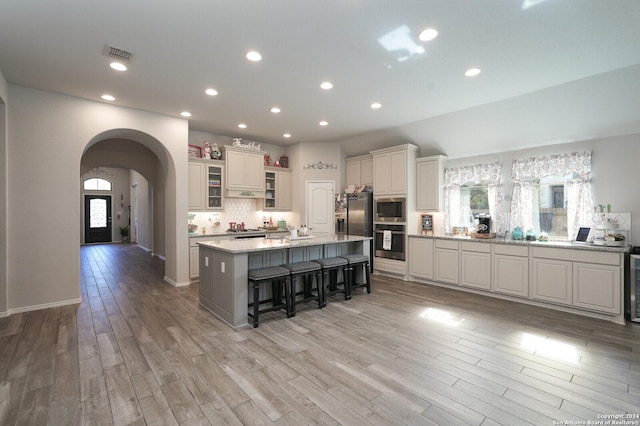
224 266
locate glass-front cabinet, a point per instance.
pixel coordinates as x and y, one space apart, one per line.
634 288
214 187
270 190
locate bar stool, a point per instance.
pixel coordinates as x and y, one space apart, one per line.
276 275
330 267
356 261
306 270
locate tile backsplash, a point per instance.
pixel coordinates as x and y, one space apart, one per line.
235 210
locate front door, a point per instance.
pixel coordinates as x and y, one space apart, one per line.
321 207
97 218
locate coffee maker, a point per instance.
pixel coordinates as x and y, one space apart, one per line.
484 223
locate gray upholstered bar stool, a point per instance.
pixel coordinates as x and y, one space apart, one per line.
307 271
276 276
330 267
356 261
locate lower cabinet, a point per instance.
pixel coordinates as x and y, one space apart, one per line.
597 287
447 262
421 258
552 280
511 270
475 266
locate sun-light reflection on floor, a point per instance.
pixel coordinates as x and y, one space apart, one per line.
441 316
549 347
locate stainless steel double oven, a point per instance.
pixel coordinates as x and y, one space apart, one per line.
390 228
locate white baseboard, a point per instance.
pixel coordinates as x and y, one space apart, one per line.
158 256
4 314
44 306
176 284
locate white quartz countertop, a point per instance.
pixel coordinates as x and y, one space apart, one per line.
262 244
553 244
225 233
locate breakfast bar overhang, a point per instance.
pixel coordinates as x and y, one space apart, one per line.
224 266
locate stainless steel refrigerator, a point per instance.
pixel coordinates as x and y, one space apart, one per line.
354 216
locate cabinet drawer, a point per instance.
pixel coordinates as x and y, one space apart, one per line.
586 256
477 247
447 244
511 250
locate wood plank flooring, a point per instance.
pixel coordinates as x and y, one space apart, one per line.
138 351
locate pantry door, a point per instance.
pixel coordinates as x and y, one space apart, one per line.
320 207
97 219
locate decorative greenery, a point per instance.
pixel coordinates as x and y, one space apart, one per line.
124 232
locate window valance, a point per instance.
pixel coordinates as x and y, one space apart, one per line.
488 173
576 163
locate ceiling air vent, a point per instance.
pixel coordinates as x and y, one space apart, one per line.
117 53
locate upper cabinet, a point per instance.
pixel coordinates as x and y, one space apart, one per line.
205 185
394 170
278 183
359 170
430 188
245 172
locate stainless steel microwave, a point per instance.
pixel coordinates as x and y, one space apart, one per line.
391 210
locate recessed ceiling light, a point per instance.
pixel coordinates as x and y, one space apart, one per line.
376 105
472 72
118 66
324 123
286 135
108 97
211 92
185 114
326 85
242 126
254 56
275 110
428 34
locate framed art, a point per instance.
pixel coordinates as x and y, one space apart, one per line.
195 151
426 224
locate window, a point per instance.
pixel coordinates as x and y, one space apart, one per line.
472 190
97 184
552 194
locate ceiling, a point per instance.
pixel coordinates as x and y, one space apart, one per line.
523 47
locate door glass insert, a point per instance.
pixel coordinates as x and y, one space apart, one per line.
98 213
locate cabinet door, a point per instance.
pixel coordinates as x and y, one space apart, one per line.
511 275
399 172
271 191
194 262
236 170
353 173
428 186
366 171
552 280
382 174
446 266
214 185
254 171
421 258
284 185
597 287
476 270
196 186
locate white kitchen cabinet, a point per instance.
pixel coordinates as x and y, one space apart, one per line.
421 258
359 170
278 191
430 183
205 185
447 263
511 270
475 265
245 171
394 170
597 287
552 280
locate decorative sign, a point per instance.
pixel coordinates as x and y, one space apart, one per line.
237 142
321 166
426 224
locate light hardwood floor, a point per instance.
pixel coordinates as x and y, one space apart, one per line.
138 351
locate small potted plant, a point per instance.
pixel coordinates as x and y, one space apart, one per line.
124 233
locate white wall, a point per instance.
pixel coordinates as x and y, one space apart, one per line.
614 161
47 135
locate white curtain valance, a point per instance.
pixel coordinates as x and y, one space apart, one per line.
576 163
488 173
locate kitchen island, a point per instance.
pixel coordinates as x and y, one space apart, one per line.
224 265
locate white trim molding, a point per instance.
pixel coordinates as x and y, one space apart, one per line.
43 306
